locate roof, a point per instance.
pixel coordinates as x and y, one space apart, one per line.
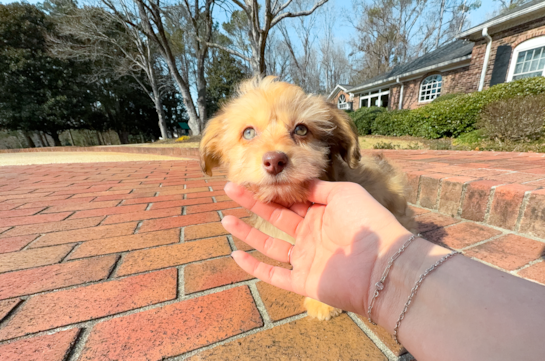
509 18
454 53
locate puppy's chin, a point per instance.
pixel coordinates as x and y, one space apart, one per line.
285 194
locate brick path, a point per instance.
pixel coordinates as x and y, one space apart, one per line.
128 261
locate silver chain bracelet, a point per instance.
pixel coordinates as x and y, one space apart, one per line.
415 289
379 286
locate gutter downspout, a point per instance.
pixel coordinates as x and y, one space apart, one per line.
400 93
486 57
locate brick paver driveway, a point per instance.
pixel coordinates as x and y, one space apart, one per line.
128 261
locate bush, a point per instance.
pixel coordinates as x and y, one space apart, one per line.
445 97
518 118
455 116
365 117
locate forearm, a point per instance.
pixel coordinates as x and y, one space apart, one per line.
464 310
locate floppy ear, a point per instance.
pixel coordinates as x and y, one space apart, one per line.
344 138
210 151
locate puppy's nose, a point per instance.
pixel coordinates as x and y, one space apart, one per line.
275 162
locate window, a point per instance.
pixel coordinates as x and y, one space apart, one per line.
528 59
430 88
341 102
375 98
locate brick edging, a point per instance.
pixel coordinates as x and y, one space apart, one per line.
168 151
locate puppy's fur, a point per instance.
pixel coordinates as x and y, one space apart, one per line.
329 151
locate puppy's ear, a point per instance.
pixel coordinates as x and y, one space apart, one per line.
344 138
210 151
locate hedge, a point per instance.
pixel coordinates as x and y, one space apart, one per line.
455 116
365 117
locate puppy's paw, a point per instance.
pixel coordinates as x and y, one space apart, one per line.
319 310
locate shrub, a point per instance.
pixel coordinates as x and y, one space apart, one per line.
385 145
365 117
455 116
518 118
442 98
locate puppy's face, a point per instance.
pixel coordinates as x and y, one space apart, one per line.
274 139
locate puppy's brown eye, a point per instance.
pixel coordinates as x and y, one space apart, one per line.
248 133
301 130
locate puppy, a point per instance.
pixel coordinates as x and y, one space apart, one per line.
273 138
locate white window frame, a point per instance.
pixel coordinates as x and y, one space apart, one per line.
436 95
533 43
368 95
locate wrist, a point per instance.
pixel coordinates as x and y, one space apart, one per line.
405 271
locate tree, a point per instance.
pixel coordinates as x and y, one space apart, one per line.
90 33
259 25
37 91
224 73
510 4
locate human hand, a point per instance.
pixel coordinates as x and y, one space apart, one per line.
339 240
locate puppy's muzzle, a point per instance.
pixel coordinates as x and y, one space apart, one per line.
275 162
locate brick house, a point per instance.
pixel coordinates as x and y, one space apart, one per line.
507 47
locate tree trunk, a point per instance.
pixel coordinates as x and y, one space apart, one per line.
98 138
29 140
71 138
158 105
56 138
43 138
123 137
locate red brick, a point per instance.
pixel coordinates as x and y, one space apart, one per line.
153 199
50 310
61 275
279 303
156 334
222 198
20 212
13 244
173 255
476 199
304 339
138 216
418 211
100 194
41 218
429 187
180 221
7 206
53 347
85 234
213 273
53 226
50 203
183 202
163 191
206 194
33 257
383 335
81 206
508 252
533 219
204 231
461 235
211 207
3 229
237 212
27 196
535 272
450 198
506 204
125 243
430 221
123 196
109 211
7 306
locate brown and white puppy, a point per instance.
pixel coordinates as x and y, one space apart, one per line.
273 139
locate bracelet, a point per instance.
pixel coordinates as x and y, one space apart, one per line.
415 289
379 286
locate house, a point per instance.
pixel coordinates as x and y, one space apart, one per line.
507 47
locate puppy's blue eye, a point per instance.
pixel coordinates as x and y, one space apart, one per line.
300 130
248 133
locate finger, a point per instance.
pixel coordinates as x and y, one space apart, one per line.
301 208
276 276
277 215
271 247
